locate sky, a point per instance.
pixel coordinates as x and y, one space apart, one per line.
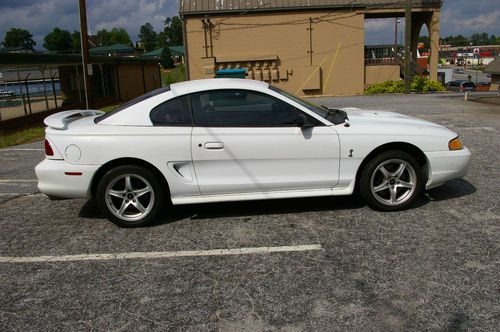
41 16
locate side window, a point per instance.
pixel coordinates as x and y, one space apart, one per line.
241 108
174 112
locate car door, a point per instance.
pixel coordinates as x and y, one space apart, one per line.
246 141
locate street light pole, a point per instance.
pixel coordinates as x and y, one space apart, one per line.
84 43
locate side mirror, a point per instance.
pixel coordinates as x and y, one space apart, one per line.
302 122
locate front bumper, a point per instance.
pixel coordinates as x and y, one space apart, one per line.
447 165
52 180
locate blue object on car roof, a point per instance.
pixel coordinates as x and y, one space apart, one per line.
231 73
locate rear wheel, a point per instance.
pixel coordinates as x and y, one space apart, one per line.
130 196
391 181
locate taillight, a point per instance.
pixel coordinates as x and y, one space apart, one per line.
48 149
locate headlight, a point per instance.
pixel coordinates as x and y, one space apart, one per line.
455 144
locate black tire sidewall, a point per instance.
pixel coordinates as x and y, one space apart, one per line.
159 193
365 180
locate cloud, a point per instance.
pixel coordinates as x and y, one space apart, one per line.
486 21
40 17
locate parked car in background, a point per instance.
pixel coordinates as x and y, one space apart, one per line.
223 140
460 86
459 71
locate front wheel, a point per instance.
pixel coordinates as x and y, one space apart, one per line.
130 196
391 181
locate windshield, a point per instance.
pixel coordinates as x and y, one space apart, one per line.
320 110
133 102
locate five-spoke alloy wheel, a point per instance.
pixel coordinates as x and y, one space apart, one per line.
391 181
130 196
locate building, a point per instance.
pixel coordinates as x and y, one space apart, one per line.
494 70
176 51
306 47
37 83
114 50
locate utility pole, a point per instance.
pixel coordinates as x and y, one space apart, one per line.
84 43
395 38
408 57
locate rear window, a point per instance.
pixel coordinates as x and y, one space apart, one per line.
133 102
469 85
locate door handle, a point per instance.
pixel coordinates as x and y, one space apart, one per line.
214 145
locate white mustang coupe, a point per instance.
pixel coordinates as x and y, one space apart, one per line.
232 139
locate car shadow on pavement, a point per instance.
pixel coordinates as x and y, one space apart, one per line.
450 190
453 189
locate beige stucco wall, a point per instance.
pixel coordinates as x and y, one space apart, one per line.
261 39
379 74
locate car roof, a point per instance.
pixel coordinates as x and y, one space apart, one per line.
217 83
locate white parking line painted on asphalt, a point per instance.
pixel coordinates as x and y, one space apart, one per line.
159 254
21 150
23 194
18 180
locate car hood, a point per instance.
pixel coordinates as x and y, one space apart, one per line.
374 117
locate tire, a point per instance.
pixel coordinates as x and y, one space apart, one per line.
130 196
391 181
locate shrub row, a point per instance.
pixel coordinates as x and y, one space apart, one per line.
419 84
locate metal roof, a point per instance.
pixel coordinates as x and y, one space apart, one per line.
111 48
199 7
28 60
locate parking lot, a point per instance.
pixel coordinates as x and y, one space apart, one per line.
290 265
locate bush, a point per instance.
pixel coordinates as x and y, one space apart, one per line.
386 87
433 86
419 84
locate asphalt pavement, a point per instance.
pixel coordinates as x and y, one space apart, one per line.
289 265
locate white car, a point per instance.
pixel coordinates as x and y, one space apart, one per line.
225 140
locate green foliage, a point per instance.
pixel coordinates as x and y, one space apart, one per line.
477 39
148 37
433 86
419 84
17 37
115 36
385 87
172 32
173 76
166 58
58 41
75 41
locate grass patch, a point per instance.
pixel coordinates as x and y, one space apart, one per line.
22 137
32 134
175 75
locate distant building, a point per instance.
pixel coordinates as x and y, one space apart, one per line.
115 50
494 70
306 47
177 54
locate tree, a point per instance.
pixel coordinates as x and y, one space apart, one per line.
166 58
115 36
17 37
75 41
58 41
119 36
172 32
148 37
103 37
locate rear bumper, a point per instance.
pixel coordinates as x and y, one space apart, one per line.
447 165
52 180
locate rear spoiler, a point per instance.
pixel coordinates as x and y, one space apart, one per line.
62 119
